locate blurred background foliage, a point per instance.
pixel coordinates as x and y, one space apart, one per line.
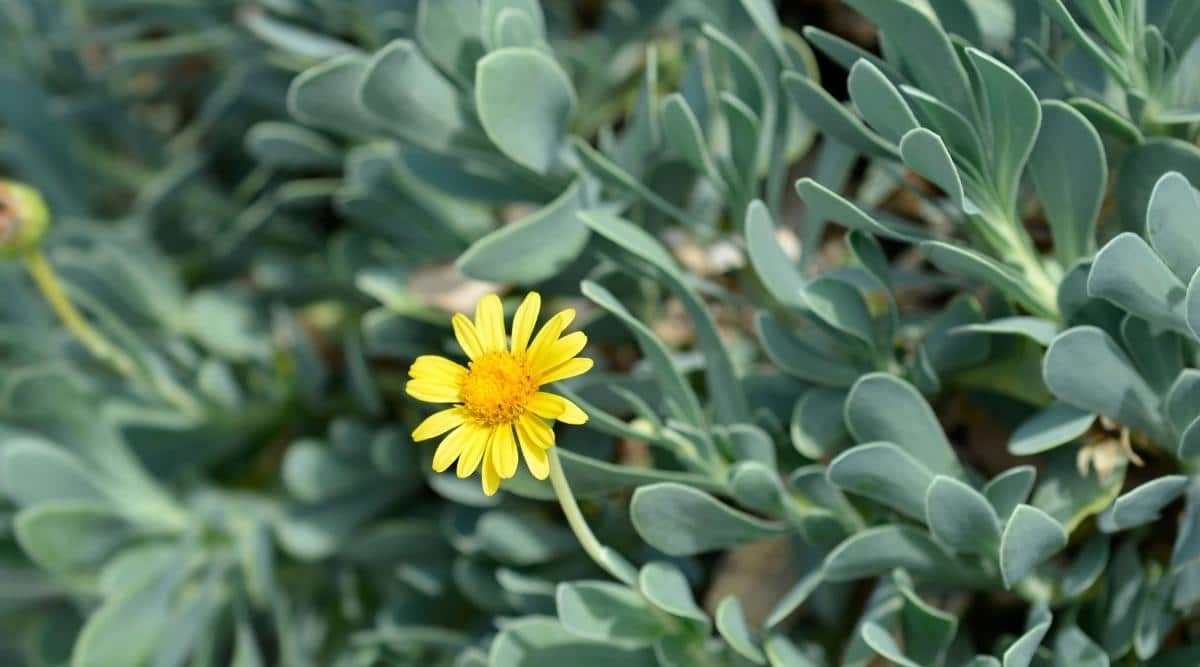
905 379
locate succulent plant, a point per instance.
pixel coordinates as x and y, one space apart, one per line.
958 426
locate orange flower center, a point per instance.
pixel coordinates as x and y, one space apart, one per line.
497 388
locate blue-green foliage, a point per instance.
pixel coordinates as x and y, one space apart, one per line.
937 347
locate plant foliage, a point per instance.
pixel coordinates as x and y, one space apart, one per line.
896 330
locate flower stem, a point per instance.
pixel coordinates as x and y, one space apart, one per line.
609 560
47 281
100 347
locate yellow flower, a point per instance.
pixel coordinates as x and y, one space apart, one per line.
498 406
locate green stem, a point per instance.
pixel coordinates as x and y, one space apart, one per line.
100 347
47 281
1005 238
606 558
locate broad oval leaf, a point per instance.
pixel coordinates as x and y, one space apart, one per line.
960 517
604 611
1173 224
731 623
1013 119
1070 173
884 473
681 521
1141 505
539 641
1030 537
833 118
778 273
882 407
1049 428
842 306
879 102
1128 273
881 549
666 588
1009 489
525 102
546 241
1080 355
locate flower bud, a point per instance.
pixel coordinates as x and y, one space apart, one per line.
23 218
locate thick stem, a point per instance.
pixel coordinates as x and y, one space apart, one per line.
1006 240
606 558
47 281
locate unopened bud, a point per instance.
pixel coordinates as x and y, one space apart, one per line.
23 218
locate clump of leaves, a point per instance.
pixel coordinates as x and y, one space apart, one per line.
966 413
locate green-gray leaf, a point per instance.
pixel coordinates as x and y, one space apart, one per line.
1080 355
1070 173
680 521
884 473
882 642
666 588
683 133
926 154
1141 170
546 241
1013 118
525 102
1049 428
1173 224
926 50
843 307
880 550
1022 651
411 99
1128 273
732 625
833 118
879 102
1142 505
1030 537
828 205
881 407
799 359
961 517
70 535
775 269
537 641
1009 489
289 146
967 262
605 611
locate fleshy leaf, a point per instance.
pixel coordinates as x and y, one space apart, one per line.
1030 537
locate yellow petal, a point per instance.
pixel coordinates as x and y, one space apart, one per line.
450 448
550 332
473 451
504 451
433 391
553 406
468 338
489 323
491 481
547 406
569 369
571 413
524 321
532 431
438 423
432 367
559 353
537 460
